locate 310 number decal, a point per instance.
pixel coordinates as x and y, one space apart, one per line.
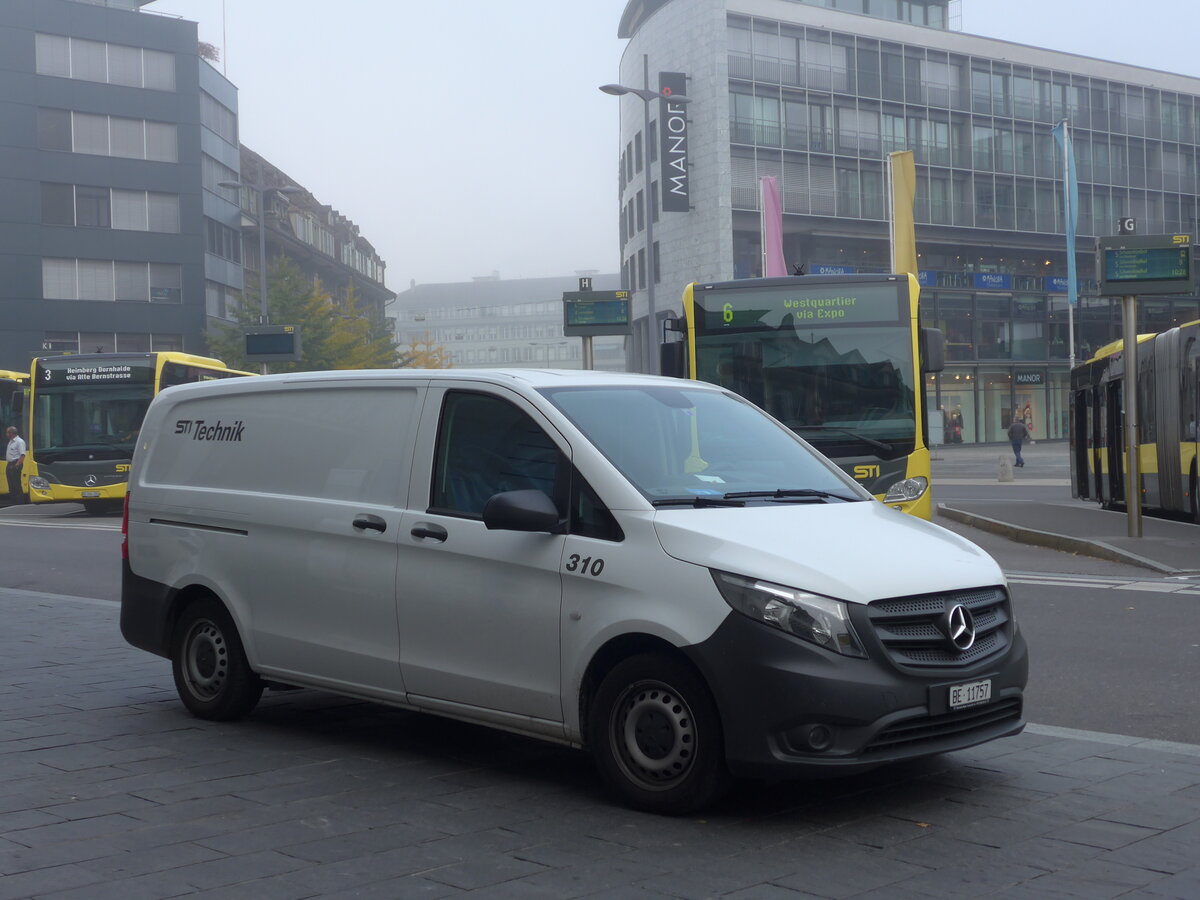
586 565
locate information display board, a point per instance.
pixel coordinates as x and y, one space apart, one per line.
1145 264
272 343
595 312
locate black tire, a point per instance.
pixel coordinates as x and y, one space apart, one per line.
656 736
212 675
1195 485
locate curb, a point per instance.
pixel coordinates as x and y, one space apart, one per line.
1097 549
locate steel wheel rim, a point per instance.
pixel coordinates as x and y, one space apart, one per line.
653 735
205 660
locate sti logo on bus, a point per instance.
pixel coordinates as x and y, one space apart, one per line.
200 430
863 472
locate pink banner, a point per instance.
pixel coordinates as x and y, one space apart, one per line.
774 265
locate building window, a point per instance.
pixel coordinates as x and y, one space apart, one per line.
220 301
58 204
101 207
218 118
107 135
107 280
222 241
93 208
69 57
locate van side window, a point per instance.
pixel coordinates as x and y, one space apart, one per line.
487 446
589 516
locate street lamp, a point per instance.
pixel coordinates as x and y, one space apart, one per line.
646 96
264 316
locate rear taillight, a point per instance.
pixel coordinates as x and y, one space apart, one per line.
125 527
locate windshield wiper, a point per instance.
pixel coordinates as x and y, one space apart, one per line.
792 494
697 502
870 442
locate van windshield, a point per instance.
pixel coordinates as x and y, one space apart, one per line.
693 445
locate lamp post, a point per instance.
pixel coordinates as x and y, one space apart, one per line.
650 359
264 316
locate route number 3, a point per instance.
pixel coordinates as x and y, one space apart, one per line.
586 565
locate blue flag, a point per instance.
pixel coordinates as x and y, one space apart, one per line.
1071 203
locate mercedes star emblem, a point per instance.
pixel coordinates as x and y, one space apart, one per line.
960 627
90 481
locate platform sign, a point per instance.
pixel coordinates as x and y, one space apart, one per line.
587 313
1129 265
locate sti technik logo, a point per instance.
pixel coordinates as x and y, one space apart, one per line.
200 430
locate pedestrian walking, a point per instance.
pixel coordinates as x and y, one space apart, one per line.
1017 432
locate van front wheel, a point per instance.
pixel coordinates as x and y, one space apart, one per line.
212 675
656 736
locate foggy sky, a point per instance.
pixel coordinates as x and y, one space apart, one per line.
467 137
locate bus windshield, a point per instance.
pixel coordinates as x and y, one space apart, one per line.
89 421
841 376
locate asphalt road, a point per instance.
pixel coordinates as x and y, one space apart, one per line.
1110 649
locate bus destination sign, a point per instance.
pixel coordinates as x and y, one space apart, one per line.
1145 264
803 305
595 312
62 371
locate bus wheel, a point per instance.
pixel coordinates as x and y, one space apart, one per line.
212 675
656 736
1195 499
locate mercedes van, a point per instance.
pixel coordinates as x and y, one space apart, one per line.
647 568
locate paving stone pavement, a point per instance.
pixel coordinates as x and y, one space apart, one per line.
108 789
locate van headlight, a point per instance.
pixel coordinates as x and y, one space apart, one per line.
908 489
819 620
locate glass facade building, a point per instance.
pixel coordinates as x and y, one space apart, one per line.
818 93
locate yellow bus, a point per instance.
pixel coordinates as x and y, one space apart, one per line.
1168 380
14 386
85 414
838 358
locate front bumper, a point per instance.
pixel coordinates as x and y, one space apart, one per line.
788 707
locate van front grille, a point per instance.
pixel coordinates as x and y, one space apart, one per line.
912 734
914 630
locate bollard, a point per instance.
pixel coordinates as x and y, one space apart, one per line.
1006 469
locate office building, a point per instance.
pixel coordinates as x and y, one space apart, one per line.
818 92
111 128
495 322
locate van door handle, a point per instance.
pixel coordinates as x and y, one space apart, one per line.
429 530
370 523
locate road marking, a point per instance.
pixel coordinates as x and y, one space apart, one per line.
1102 583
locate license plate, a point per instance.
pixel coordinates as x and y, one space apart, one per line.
90 494
970 694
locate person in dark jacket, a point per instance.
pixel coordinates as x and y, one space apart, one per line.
1017 432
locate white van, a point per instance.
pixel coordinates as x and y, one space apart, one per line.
649 568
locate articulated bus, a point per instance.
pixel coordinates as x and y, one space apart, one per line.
14 386
85 414
837 358
1168 381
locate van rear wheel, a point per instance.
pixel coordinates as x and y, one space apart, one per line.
656 736
211 672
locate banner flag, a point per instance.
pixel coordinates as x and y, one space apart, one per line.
774 264
902 173
1062 135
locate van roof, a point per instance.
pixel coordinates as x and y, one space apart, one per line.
533 378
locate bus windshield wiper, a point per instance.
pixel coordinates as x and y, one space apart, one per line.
870 442
698 502
791 494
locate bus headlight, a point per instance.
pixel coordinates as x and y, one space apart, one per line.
908 489
38 483
820 620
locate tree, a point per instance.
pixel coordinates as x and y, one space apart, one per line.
208 51
423 353
330 337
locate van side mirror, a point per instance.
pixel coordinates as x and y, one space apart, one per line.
672 358
932 346
529 510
